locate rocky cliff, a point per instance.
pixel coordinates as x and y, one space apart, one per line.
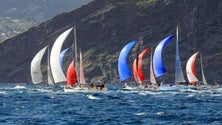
105 26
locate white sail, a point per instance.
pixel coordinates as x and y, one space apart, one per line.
50 79
179 77
152 77
191 74
36 73
203 76
81 74
56 69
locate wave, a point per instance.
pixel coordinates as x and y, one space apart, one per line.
19 87
93 97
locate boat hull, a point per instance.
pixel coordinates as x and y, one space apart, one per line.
85 89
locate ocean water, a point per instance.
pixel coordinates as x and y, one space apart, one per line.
38 105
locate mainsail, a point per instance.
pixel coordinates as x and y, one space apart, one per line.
36 73
123 68
49 73
158 66
152 77
190 69
203 76
81 74
179 77
56 69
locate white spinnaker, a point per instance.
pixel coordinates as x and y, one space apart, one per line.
36 73
190 68
56 69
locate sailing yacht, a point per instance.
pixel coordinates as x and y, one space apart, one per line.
138 74
179 77
123 67
75 75
158 67
192 75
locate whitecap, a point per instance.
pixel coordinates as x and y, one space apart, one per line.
160 113
43 90
19 87
2 92
143 93
190 95
92 97
141 113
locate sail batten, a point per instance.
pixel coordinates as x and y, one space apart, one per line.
123 68
158 65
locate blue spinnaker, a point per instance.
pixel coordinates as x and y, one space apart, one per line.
158 66
61 56
123 68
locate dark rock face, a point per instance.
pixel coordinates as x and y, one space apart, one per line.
104 27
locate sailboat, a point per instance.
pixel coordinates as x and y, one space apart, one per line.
75 75
192 75
137 67
55 72
138 74
36 73
179 77
158 66
123 67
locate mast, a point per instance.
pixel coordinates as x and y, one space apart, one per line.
179 77
76 54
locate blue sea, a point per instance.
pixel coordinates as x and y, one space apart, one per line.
22 104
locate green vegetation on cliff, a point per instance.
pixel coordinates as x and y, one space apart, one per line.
104 27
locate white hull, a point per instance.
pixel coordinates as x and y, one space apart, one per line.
177 87
84 89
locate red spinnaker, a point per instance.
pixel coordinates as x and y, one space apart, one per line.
71 75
